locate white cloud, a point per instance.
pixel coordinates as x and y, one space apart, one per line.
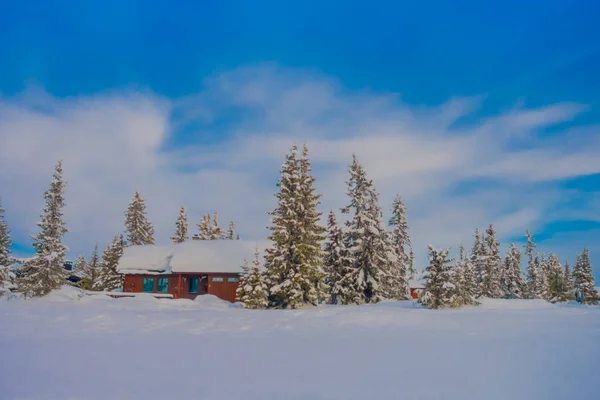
118 142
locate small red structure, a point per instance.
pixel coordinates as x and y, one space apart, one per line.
416 287
186 270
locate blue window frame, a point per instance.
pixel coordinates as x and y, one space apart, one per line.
163 285
193 285
148 285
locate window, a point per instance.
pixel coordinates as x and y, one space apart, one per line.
217 279
233 279
148 285
193 285
163 285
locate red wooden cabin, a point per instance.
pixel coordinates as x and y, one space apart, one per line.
186 270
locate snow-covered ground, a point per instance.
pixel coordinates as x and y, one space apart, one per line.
67 347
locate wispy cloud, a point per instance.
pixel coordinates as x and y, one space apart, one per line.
221 150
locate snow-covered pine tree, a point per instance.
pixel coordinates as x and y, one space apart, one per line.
493 266
252 290
108 277
312 234
532 278
440 290
364 237
138 229
79 263
465 279
216 232
400 246
205 228
5 244
556 280
568 279
231 231
583 280
90 271
336 263
478 260
512 282
181 227
45 270
542 276
284 277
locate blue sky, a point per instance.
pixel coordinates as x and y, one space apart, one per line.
512 87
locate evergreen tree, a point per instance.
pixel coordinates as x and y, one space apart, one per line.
181 227
541 268
478 260
231 231
5 244
532 275
568 279
557 285
45 270
364 237
252 290
336 263
79 263
512 282
440 290
205 228
90 271
216 233
585 291
465 280
312 234
493 263
108 277
138 229
284 273
401 269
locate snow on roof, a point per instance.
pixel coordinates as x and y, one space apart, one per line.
202 256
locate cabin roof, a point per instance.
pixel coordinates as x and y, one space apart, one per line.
201 256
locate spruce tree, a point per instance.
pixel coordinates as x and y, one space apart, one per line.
205 228
216 233
284 275
336 263
465 279
568 279
5 244
478 258
364 237
401 268
181 227
440 290
493 263
583 280
138 229
90 271
108 277
542 276
312 234
532 275
557 286
79 263
512 282
231 231
45 271
252 290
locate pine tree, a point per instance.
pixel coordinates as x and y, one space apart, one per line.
205 228
364 237
284 278
440 289
90 271
312 234
585 291
478 260
79 263
45 271
108 277
181 227
493 263
231 231
216 233
557 285
542 276
5 244
336 263
512 282
138 229
568 279
532 275
465 280
402 268
252 290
